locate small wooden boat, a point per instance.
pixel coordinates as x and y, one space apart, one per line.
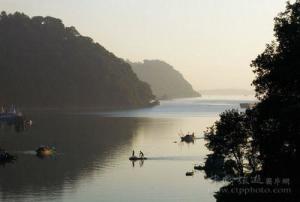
135 158
191 173
153 103
5 157
44 151
188 138
199 167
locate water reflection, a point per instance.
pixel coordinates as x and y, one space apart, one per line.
92 152
140 163
92 156
83 145
18 125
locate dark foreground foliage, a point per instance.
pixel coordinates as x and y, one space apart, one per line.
263 141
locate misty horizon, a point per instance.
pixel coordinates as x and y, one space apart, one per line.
142 101
184 34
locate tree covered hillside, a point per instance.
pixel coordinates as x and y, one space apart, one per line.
45 64
165 81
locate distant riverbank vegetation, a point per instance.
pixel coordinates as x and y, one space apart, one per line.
262 141
44 64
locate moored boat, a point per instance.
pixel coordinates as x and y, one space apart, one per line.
190 173
153 103
5 157
10 114
199 167
188 138
44 151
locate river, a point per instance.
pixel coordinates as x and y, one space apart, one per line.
93 149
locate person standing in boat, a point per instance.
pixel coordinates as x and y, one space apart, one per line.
132 152
141 154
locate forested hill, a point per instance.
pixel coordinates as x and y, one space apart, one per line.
165 81
45 64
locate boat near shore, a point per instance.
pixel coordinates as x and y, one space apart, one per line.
189 173
199 167
11 116
5 157
247 105
154 102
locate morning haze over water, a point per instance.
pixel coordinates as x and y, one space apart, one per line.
93 148
136 100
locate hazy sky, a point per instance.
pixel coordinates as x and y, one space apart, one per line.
212 42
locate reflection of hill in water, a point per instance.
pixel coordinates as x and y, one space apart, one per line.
84 143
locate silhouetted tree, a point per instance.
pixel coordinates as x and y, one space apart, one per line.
230 137
268 133
277 117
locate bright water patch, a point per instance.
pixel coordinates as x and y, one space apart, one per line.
193 107
95 147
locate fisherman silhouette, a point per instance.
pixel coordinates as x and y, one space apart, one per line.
141 154
132 152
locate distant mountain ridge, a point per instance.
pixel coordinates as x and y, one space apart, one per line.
44 64
164 80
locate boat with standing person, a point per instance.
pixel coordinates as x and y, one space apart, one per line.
141 157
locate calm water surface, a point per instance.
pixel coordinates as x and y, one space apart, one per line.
93 149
